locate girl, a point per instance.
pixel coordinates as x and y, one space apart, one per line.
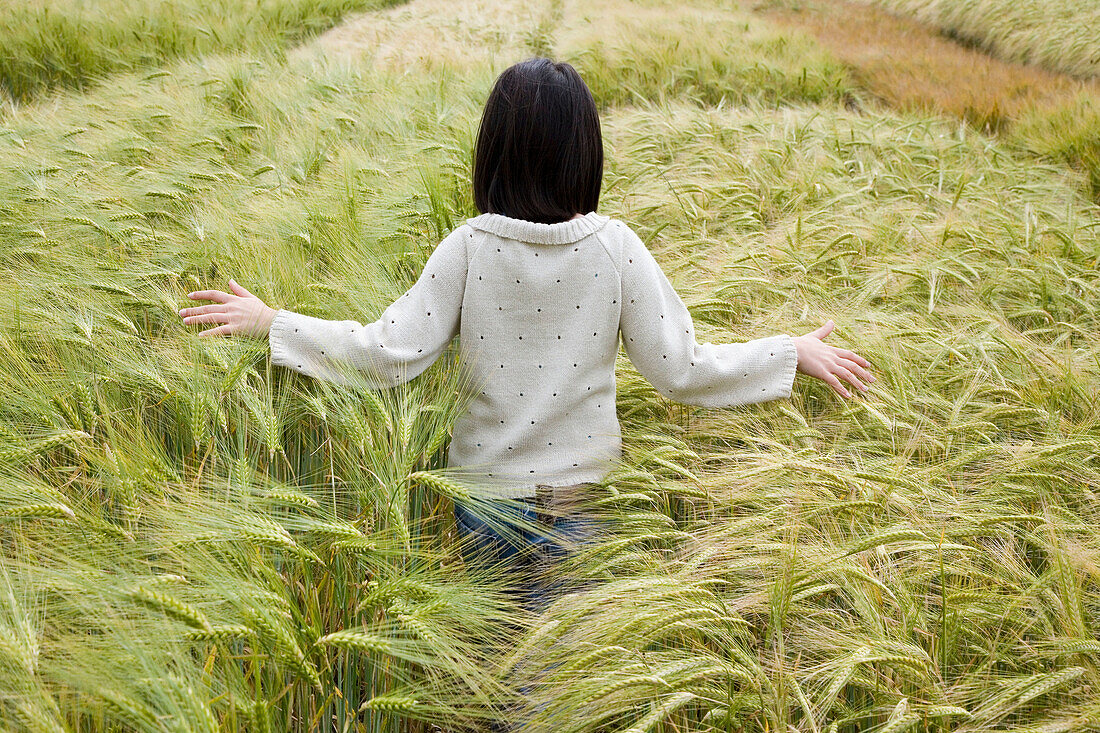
540 288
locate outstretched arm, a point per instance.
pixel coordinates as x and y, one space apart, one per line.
659 338
402 343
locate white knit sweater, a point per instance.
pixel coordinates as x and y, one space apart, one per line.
539 309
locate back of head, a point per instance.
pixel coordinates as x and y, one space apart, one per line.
539 152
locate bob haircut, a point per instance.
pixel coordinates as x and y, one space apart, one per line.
539 151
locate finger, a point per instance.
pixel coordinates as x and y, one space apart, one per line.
208 318
210 295
847 376
823 330
239 289
857 370
853 356
200 309
225 330
832 380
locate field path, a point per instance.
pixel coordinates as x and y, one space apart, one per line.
422 33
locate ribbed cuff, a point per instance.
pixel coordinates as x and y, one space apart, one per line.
790 364
281 331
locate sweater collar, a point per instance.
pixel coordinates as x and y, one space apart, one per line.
562 232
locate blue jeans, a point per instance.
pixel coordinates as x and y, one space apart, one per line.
526 538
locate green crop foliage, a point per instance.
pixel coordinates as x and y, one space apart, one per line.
191 539
50 43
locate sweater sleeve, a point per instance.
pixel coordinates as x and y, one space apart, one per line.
659 338
408 337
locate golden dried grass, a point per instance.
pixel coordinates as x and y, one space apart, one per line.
912 66
1056 35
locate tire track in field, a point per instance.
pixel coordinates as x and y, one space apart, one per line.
461 34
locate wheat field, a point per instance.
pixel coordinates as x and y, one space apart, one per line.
193 540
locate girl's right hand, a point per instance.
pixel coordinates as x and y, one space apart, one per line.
829 363
241 313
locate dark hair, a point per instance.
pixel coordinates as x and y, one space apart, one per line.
539 152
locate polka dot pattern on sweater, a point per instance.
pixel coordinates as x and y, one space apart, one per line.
539 327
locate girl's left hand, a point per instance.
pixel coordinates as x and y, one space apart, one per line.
829 363
240 312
